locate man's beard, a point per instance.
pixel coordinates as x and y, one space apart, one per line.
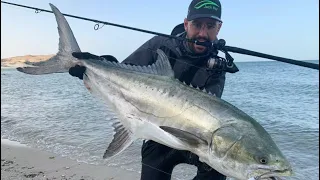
199 39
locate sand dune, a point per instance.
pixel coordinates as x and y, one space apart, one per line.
19 61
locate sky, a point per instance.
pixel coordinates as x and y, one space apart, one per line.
286 28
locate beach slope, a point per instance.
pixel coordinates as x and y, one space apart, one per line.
20 162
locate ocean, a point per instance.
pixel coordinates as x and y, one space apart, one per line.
57 113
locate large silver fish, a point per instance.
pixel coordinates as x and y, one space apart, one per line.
149 103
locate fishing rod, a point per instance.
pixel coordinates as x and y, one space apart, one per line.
219 45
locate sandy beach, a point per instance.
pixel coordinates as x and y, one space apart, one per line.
21 162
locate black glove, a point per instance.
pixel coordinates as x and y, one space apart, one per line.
109 58
78 71
86 55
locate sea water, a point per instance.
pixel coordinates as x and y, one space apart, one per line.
56 113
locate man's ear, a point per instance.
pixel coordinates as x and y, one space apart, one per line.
219 26
185 22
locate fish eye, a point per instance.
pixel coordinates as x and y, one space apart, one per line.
263 160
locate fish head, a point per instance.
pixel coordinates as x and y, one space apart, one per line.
246 150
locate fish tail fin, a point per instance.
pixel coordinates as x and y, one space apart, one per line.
63 60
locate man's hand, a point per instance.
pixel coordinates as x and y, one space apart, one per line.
77 71
86 55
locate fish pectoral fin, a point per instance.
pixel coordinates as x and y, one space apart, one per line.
185 136
121 140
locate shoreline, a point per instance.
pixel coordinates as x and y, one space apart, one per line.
15 66
7 67
19 161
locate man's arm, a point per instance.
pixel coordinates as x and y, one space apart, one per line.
215 84
146 54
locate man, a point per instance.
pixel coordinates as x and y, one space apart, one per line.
188 61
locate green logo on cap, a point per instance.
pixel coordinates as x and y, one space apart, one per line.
206 4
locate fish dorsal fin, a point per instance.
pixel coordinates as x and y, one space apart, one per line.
198 88
161 66
121 140
185 136
205 91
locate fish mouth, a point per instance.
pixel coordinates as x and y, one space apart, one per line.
274 174
271 178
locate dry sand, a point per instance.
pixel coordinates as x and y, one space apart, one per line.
20 162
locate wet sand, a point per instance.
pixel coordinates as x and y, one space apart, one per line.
21 162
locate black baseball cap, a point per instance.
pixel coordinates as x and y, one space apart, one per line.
204 9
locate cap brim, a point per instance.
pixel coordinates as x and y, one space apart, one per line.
203 16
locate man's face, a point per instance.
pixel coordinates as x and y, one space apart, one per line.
202 29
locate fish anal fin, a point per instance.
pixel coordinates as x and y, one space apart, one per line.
121 140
